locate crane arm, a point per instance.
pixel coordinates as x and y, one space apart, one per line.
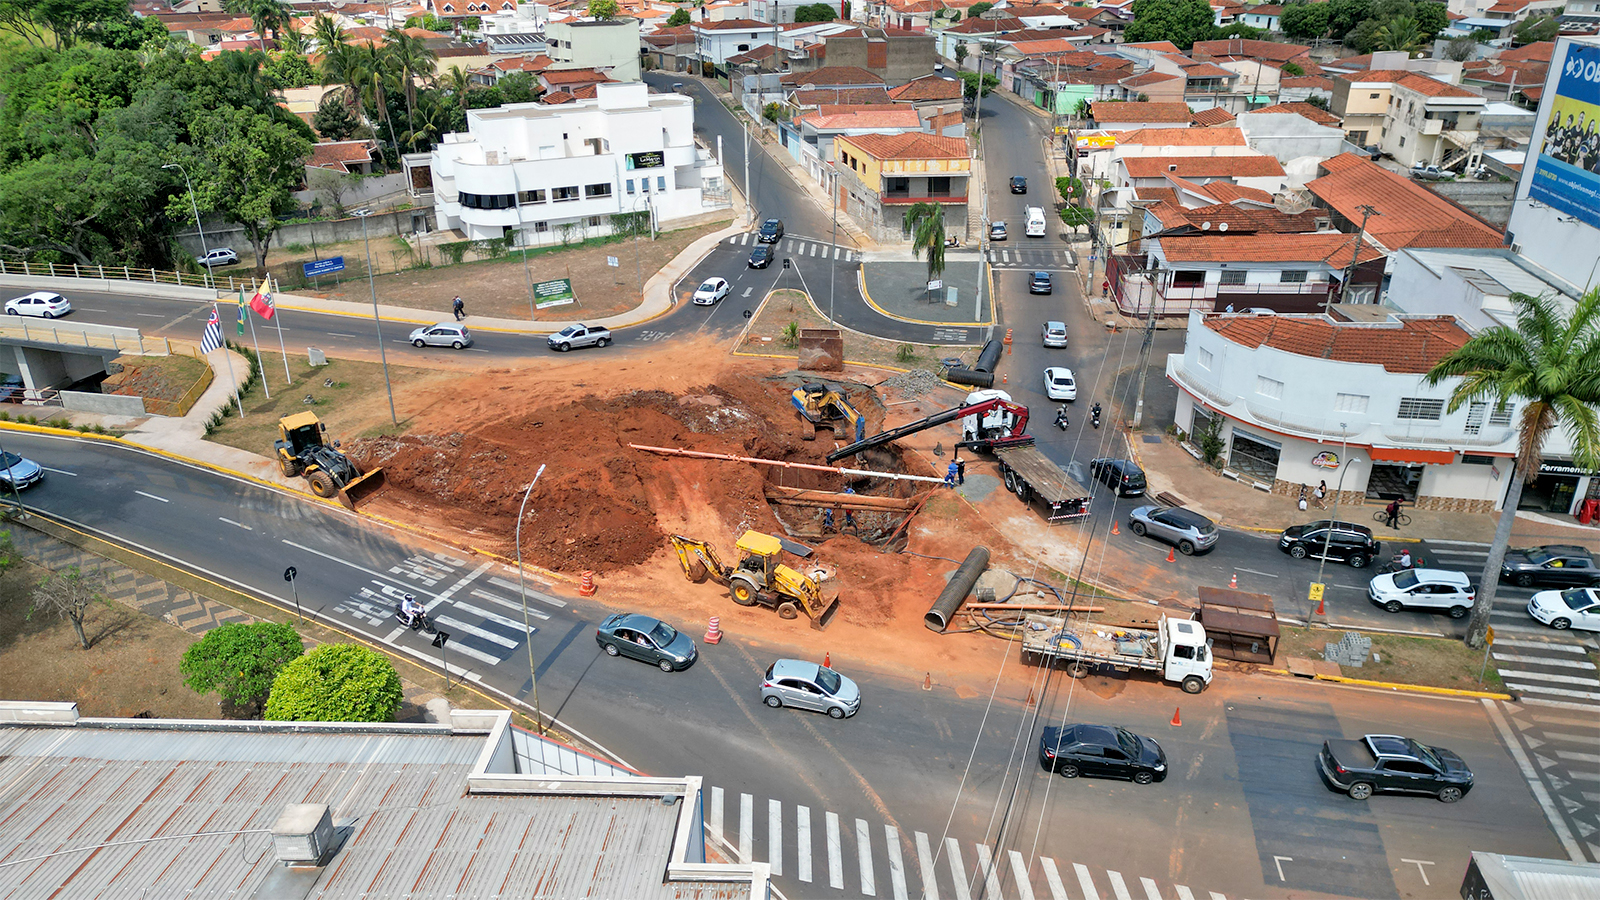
1019 411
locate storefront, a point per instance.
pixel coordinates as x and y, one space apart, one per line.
1556 489
1255 455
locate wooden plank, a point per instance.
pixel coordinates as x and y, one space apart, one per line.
1045 477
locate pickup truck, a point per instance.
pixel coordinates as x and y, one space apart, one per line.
1391 763
1430 173
580 336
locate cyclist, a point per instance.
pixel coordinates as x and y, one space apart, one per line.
1393 511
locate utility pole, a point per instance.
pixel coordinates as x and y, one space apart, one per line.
1355 253
833 262
1144 355
377 321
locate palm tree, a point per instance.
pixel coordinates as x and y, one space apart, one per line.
266 15
1550 364
456 80
1400 33
926 221
411 60
375 73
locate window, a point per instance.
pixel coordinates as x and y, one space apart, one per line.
1422 408
661 183
1350 403
630 189
1359 138
1188 279
1268 387
563 194
487 201
939 187
1501 417
597 190
1402 143
1292 276
541 227
1233 276
1204 359
536 196
1475 414
1474 459
594 221
897 185
1372 96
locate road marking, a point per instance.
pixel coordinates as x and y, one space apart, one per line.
1562 736
1540 645
513 586
514 607
1541 661
957 871
152 496
864 851
1085 882
1584 776
1150 891
930 881
1556 679
1560 720
991 878
1058 891
897 864
746 813
814 250
1556 704
87 309
775 836
1117 886
1279 861
490 636
1024 888
237 524
802 832
339 334
1458 543
150 315
1254 572
1183 892
1420 864
835 864
491 616
716 811
836 252
1578 757
59 471
1554 692
1531 776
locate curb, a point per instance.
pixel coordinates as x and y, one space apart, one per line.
861 281
1395 686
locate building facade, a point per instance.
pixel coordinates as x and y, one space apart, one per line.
612 45
880 176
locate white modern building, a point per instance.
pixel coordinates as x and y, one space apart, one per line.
609 44
556 173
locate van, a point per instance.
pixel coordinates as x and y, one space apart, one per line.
1035 222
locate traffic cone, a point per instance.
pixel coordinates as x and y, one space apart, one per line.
1114 528
1030 696
586 583
927 682
1171 557
827 661
714 631
1176 721
1320 601
1234 581
1004 379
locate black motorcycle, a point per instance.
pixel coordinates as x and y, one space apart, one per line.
420 623
1094 415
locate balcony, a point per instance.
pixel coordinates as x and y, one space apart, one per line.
1432 126
904 199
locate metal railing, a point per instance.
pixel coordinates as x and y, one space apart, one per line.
15 328
179 408
120 273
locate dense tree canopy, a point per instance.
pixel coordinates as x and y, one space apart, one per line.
1180 21
679 17
336 683
239 661
815 12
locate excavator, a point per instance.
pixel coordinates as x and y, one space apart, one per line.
330 473
760 579
989 420
822 406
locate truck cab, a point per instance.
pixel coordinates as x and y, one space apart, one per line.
1185 652
989 424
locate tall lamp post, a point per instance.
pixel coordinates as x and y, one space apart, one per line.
376 321
1338 494
522 589
833 263
209 278
1367 212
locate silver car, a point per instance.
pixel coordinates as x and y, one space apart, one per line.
1188 531
19 471
806 685
442 334
1055 334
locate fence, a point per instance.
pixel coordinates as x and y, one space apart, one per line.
120 273
180 407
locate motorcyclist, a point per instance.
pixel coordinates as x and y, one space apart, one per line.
1403 561
411 609
1061 417
1095 410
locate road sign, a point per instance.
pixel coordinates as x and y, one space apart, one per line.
748 314
936 285
557 292
1489 637
612 262
786 263
322 266
289 573
1316 592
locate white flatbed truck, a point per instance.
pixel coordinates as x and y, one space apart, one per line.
1176 649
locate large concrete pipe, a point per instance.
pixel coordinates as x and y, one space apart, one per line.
969 377
955 593
989 357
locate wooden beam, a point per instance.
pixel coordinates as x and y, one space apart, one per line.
783 464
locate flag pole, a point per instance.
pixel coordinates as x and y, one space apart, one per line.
274 294
228 362
257 341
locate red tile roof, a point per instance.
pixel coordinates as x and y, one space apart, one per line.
732 25
1202 166
986 26
851 96
832 75
1252 220
894 116
1541 51
1216 115
1150 77
909 146
1184 137
1106 111
1166 46
1410 214
1332 248
1228 192
1433 87
340 155
572 76
1241 48
755 54
928 87
1413 346
1307 81
1314 113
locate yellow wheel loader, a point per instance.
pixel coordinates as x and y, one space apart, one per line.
760 579
822 406
330 473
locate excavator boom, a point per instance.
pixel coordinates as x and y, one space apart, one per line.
699 559
1013 434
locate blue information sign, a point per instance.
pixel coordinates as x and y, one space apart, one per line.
323 266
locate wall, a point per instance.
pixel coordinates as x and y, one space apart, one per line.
1490 200
108 404
378 225
907 58
1289 137
612 45
359 190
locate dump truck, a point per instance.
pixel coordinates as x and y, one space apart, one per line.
1176 649
823 406
759 578
331 474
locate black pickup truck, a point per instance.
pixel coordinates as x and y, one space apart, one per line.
1389 763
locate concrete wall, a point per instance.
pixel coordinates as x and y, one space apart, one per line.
133 285
107 404
905 58
379 225
359 190
1490 200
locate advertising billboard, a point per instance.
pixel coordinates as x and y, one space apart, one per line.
557 292
1567 172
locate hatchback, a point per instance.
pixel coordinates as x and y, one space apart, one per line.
46 304
1105 750
771 231
712 290
1553 564
761 256
1435 589
997 231
442 334
1189 531
222 256
1325 538
1577 608
1019 184
806 685
19 471
647 639
1059 384
1040 283
1055 334
1122 475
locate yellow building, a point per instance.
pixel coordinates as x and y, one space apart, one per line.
883 175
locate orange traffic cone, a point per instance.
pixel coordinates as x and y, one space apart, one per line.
1176 721
1234 581
1114 528
1171 557
586 583
827 661
927 682
714 631
1320 601
1004 379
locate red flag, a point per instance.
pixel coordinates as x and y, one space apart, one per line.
262 301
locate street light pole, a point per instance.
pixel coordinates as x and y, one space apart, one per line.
523 590
833 263
376 320
209 278
1355 255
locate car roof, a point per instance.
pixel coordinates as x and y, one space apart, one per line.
1044 275
795 668
1188 517
1564 550
1443 576
772 222
1055 325
43 295
638 621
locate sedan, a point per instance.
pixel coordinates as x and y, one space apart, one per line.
1055 334
443 334
806 685
997 231
1558 565
647 639
1059 384
1105 750
1578 608
222 256
1189 531
760 257
711 291
1435 589
19 471
1019 184
46 304
1040 283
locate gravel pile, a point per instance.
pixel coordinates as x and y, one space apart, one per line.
915 383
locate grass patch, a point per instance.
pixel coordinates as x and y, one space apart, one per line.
1403 659
178 368
789 311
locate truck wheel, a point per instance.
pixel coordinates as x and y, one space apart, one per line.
743 591
289 466
1449 794
1298 551
1360 791
1011 480
1459 612
1193 684
1078 670
1024 493
773 700
1067 770
787 610
1137 528
563 346
602 342
322 484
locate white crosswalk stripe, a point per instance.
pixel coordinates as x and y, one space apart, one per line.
746 812
835 864
802 829
897 865
1085 882
991 878
1058 891
958 872
775 837
930 880
864 851
1020 868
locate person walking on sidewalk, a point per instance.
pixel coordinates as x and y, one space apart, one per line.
459 308
1321 495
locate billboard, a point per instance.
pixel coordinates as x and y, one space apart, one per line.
1567 173
557 292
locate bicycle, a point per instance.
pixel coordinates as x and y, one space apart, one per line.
1393 565
1382 517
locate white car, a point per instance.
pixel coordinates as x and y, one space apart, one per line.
46 304
1576 608
222 256
1432 589
1059 384
711 291
444 334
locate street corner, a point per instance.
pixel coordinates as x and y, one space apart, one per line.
902 290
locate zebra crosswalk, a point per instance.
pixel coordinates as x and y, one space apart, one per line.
850 857
800 248
1007 258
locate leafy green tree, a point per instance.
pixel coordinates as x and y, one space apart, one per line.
1293 69
1180 21
602 9
1431 18
971 82
58 23
978 9
429 22
961 54
1532 31
814 12
129 32
518 87
333 119
1345 15
68 594
1076 217
1240 30
1304 21
772 112
1549 364
288 70
679 17
1399 33
336 683
252 166
409 60
1364 37
1319 101
926 222
1070 189
1484 35
239 661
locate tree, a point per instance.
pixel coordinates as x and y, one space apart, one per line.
58 23
1319 101
1460 49
814 12
971 81
254 163
1293 69
429 22
336 683
1240 30
1400 33
1070 189
333 120
129 32
978 9
926 222
1550 363
288 70
1532 31
68 594
1304 21
679 17
603 10
1364 37
1431 18
266 15
1345 15
772 112
1180 21
961 54
1076 217
409 59
239 661
518 87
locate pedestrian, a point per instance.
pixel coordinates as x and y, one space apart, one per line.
951 473
961 471
1393 511
1321 495
459 308
1302 498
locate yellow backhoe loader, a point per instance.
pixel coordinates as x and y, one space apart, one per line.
329 472
760 579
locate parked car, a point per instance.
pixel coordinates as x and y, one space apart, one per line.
1380 763
1555 564
1189 531
760 257
1059 384
643 638
1106 750
806 685
1576 608
1429 173
709 292
1040 283
443 334
579 336
1347 543
19 471
45 304
1019 184
997 231
1055 334
771 231
221 256
1436 589
1121 475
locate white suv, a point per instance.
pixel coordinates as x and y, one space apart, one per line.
1432 589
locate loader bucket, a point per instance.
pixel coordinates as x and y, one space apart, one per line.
829 610
362 489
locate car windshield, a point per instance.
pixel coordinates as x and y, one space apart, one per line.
1405 580
568 331
829 680
1580 598
1128 742
7 460
1425 754
1538 557
663 634
708 286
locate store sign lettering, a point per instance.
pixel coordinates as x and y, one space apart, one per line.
1327 459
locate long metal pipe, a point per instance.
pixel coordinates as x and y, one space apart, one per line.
865 473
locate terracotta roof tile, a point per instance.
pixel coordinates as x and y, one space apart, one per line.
1252 220
1433 87
1167 46
731 25
1241 48
338 155
1411 346
572 76
832 75
1410 214
1150 77
1184 137
986 26
1228 192
909 146
1314 113
928 87
851 96
1202 166
832 117
1333 248
1216 115
1158 194
1307 81
1105 111
1541 51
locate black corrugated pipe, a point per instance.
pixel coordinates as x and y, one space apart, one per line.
989 357
955 593
969 377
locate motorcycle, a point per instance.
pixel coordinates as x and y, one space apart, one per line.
1094 415
1061 418
420 623
1395 565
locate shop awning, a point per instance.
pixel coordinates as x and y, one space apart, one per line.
1401 455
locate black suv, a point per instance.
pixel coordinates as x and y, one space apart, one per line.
761 256
1121 475
771 231
1381 763
1349 543
1556 564
1019 185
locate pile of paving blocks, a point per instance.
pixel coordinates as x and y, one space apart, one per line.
1351 650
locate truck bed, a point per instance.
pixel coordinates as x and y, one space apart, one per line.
1127 647
1065 497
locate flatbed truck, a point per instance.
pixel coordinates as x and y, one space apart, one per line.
1176 649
